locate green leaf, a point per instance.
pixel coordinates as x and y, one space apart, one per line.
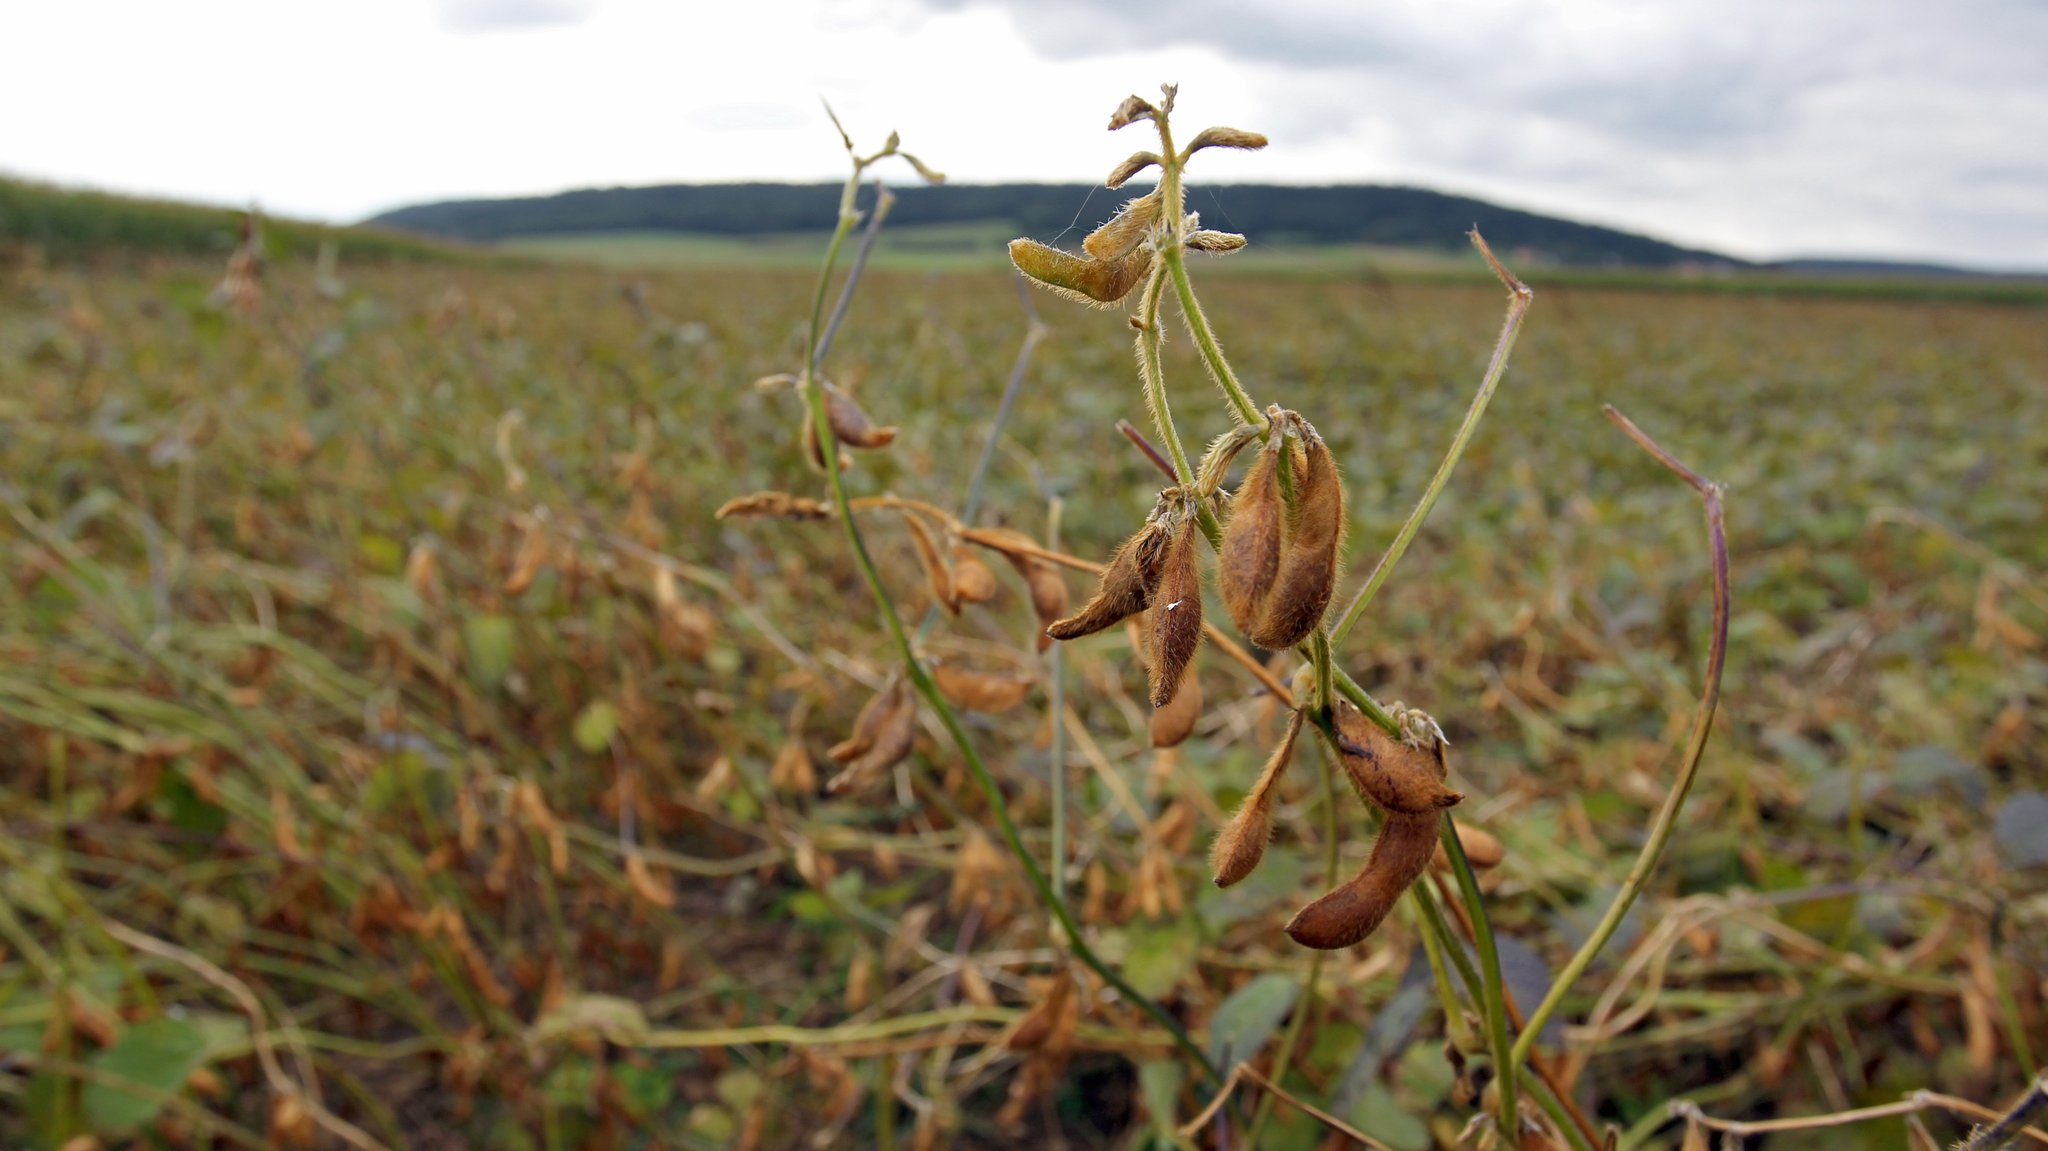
1242 1025
596 725
1161 956
157 1056
1159 1081
1276 879
1379 1114
487 646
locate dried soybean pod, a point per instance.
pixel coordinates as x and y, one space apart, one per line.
866 724
1308 561
1048 588
1242 842
1250 557
1172 724
936 574
1124 230
850 424
1356 909
1079 277
1125 588
894 732
979 690
972 581
1391 772
1174 619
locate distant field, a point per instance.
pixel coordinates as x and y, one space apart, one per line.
964 247
371 662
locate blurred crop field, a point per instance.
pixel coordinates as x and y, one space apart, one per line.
390 731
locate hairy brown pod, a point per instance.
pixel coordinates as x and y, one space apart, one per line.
937 575
1174 619
1242 842
972 581
774 505
1171 725
893 734
1249 560
1206 240
1136 163
1048 588
1308 562
1123 231
1356 909
883 735
851 425
1080 277
1389 771
1125 588
1220 137
980 690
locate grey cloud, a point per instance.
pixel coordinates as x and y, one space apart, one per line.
505 15
1756 124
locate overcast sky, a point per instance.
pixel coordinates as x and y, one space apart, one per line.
1881 128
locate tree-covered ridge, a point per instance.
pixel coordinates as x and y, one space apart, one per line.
1268 213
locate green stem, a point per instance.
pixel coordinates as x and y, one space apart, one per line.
1554 1107
1056 672
1155 379
1493 988
1518 306
1703 722
921 680
1205 339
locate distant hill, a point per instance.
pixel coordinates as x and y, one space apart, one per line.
68 223
1383 215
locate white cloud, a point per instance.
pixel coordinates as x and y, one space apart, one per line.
1880 128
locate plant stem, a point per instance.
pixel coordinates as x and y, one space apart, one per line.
1494 1002
1703 723
1155 379
1519 300
1205 340
920 679
1057 769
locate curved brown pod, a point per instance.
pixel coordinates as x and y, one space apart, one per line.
850 423
1174 617
1242 843
1171 725
1356 909
1124 589
1391 772
1307 574
1249 559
